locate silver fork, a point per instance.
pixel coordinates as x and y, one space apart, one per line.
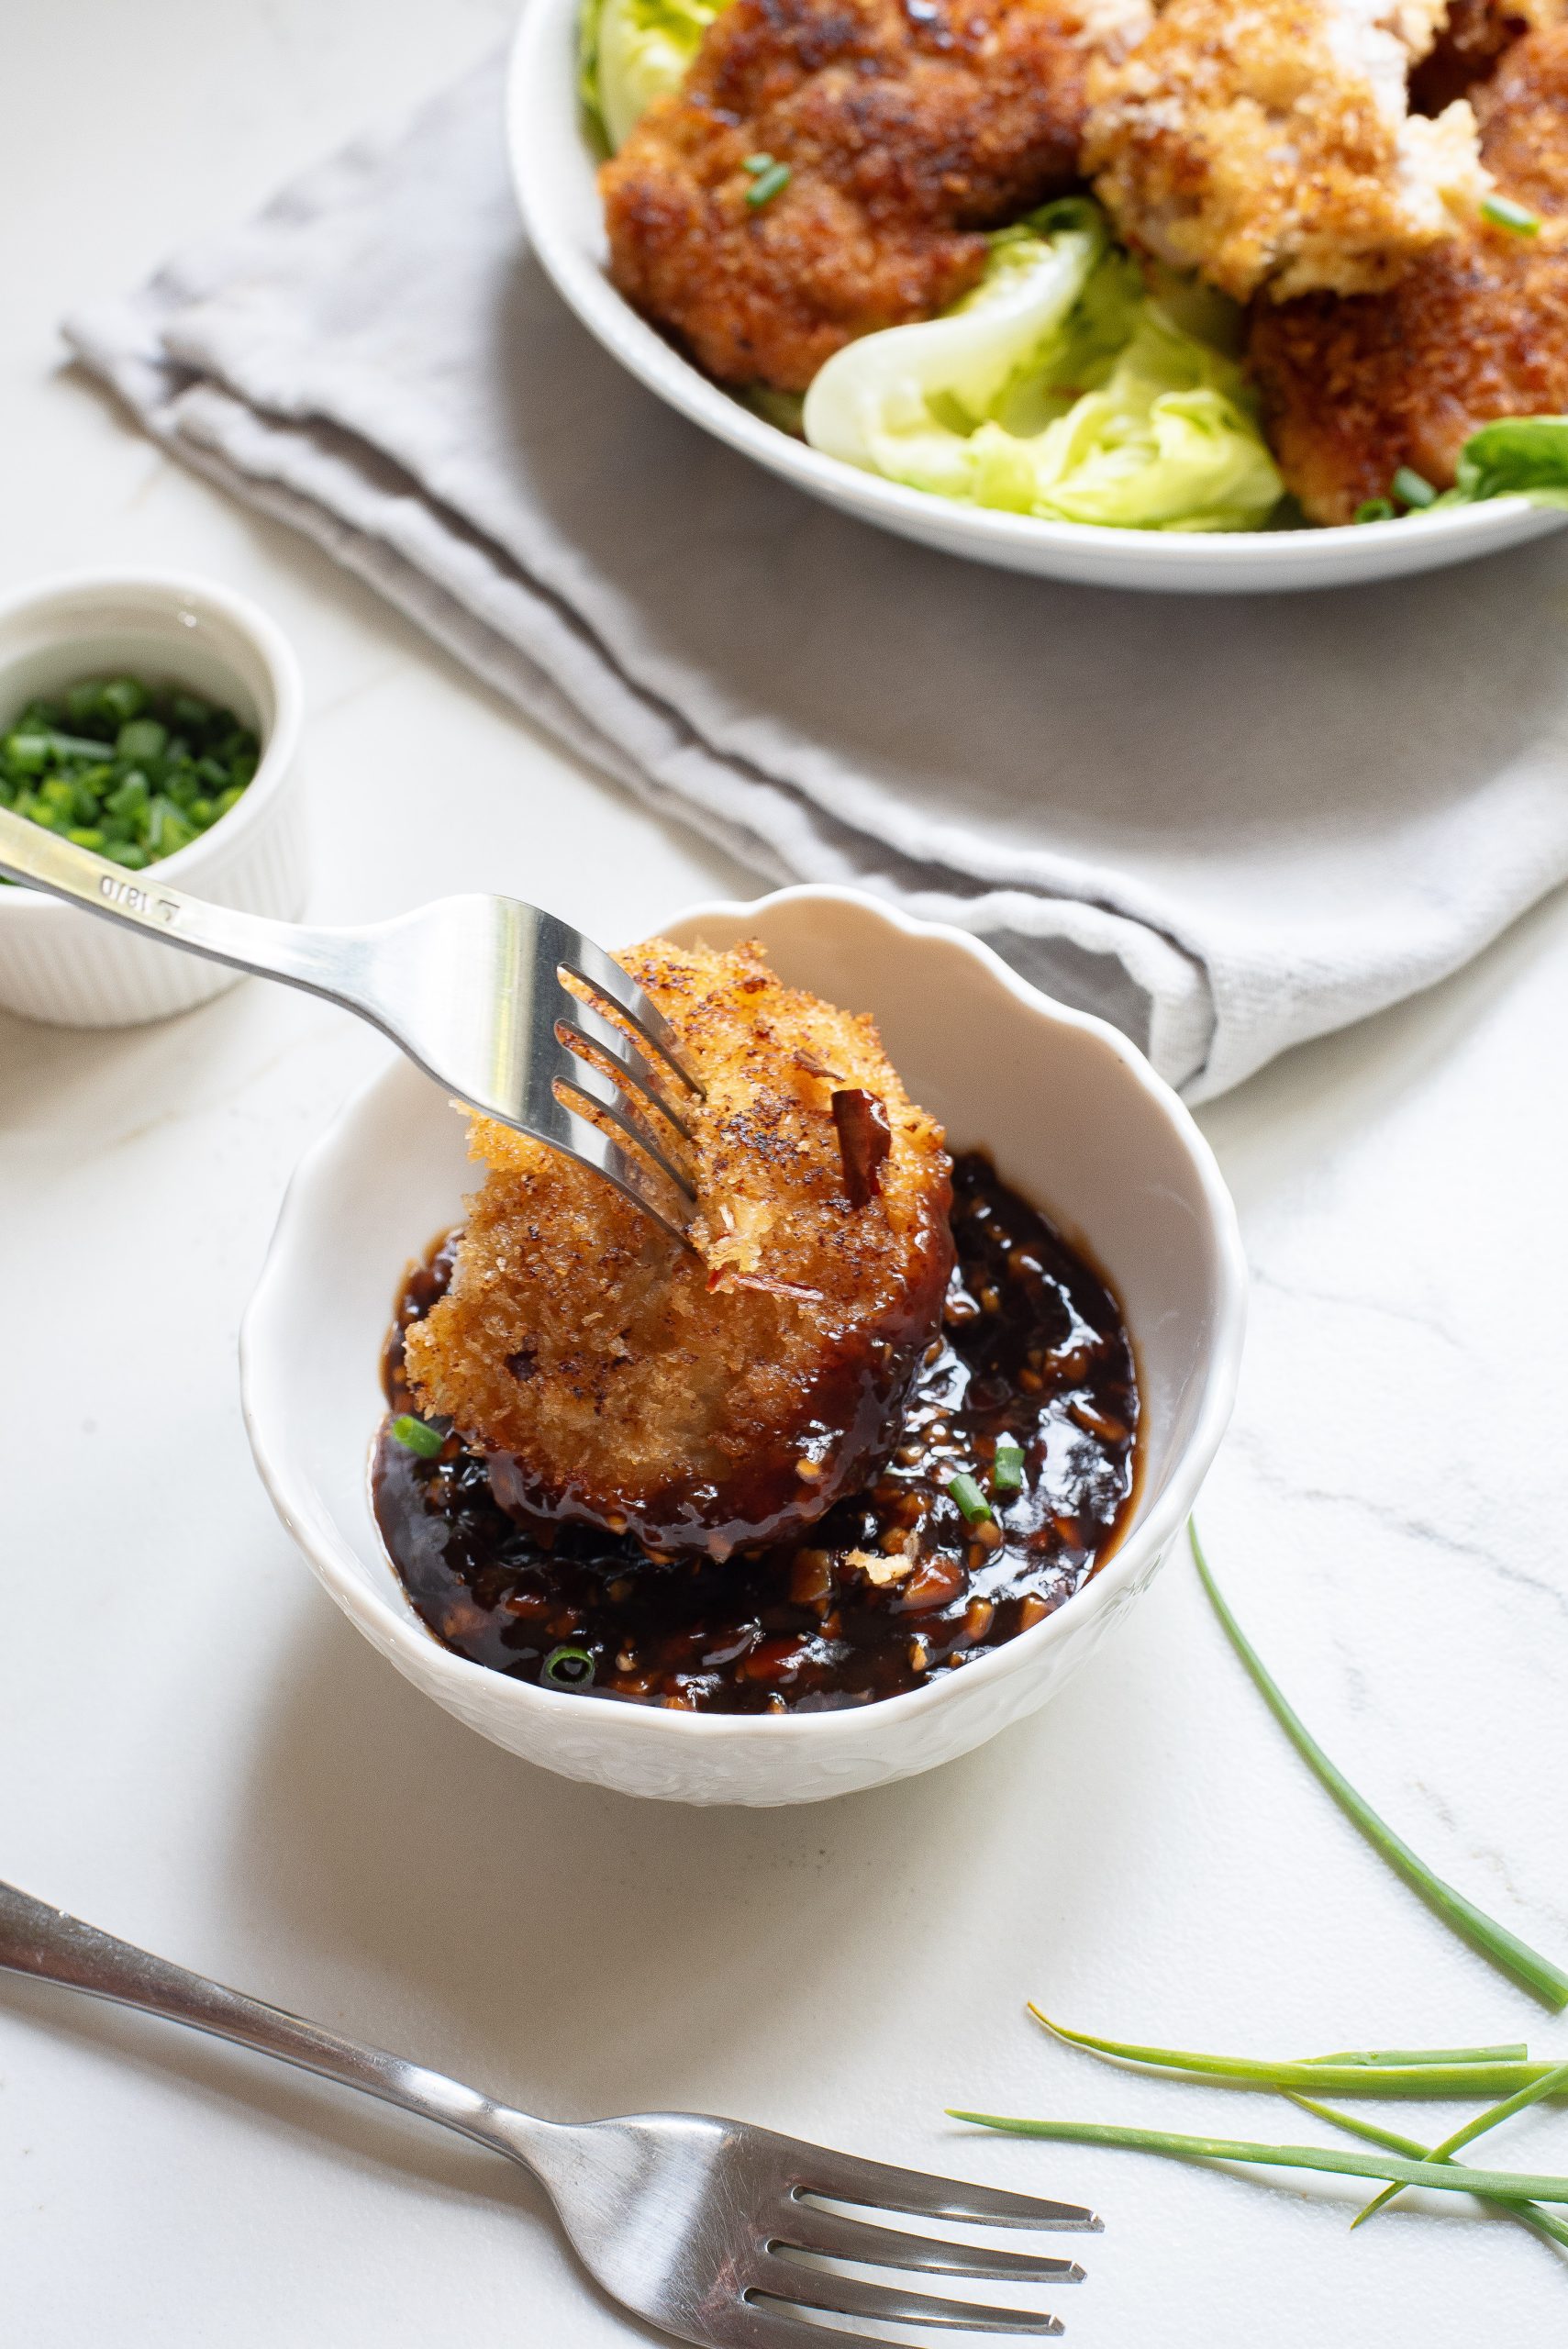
689 2220
514 1012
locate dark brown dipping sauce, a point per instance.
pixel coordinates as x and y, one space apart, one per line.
1032 1346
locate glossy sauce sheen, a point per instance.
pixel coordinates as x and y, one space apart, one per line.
1033 1345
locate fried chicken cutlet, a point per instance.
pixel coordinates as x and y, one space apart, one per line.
1353 390
1470 42
1267 144
703 1401
908 128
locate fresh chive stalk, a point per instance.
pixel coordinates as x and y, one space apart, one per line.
1554 2081
1513 2051
1537 1974
1543 2221
1452 2177
1430 2075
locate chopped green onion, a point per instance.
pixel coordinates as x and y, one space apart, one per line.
1549 1982
1503 212
755 164
146 770
1412 488
568 1668
971 1500
1556 2230
1008 1465
767 184
1556 2079
1425 2076
1374 509
1499 2184
415 1436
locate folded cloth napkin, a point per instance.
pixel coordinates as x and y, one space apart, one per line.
1227 825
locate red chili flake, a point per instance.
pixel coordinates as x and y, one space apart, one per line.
864 1137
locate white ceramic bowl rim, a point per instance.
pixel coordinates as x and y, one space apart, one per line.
279 733
632 340
1148 1537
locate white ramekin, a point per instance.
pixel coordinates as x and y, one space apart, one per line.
66 966
1071 1113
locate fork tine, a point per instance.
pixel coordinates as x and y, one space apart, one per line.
597 1112
843 2177
594 969
593 1052
815 2288
807 2228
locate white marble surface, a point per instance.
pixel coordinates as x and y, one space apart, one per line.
196 1752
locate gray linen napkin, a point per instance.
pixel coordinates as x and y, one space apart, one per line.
1228 825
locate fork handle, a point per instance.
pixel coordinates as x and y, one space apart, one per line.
270 949
56 1947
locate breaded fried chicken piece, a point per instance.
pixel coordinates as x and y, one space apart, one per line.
908 126
704 1401
1470 42
1353 390
1266 143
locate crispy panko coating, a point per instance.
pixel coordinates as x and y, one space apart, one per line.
703 1401
1353 390
1266 143
1469 44
908 130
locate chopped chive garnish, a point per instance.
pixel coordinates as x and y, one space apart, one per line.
767 184
755 164
1496 2185
1503 212
1555 2229
1420 2075
972 1501
567 1668
1374 509
1412 488
1556 2079
1548 1981
415 1436
1008 1465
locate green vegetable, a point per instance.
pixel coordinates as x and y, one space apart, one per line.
567 1668
1500 2185
971 1500
1059 388
415 1436
1556 2230
757 163
632 51
1521 456
1008 1465
145 771
1503 212
1374 509
1556 2079
1423 2075
1513 2052
1527 1965
1412 488
767 184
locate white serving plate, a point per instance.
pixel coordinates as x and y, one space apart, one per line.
64 966
553 171
1072 1113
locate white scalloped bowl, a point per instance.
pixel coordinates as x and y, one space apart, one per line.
1073 1115
552 170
